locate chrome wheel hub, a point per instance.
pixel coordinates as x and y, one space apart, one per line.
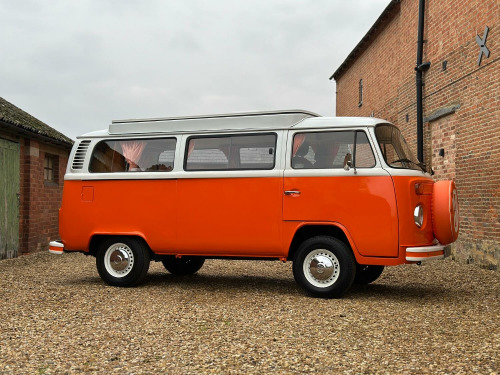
119 260
321 268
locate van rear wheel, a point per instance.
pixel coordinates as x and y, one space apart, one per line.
324 267
122 261
186 265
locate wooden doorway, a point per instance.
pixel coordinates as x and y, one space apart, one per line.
9 198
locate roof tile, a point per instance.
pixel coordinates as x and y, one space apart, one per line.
13 115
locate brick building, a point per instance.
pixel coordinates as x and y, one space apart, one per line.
461 102
33 158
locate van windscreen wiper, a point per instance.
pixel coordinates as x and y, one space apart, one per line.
406 160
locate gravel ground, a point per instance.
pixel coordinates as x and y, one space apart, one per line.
57 316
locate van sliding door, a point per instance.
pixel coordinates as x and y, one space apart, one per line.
230 200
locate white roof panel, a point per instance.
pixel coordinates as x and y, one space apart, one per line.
209 123
297 119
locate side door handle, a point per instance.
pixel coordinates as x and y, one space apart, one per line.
292 192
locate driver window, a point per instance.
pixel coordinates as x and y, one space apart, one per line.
327 150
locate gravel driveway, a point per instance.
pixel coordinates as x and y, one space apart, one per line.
57 316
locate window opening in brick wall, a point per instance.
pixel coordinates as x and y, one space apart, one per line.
50 168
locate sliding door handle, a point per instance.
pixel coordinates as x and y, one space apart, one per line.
292 192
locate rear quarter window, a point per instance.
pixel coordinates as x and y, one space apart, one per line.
133 155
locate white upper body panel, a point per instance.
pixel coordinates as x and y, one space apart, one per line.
284 123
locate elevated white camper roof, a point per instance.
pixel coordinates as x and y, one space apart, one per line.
207 123
236 122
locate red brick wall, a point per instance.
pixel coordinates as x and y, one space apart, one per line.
40 200
470 136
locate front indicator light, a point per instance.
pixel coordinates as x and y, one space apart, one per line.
418 215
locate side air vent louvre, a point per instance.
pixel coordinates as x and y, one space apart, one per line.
80 153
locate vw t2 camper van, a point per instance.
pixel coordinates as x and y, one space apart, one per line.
339 197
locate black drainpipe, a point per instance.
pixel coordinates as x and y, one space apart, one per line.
420 68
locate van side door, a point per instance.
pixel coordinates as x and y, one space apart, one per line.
230 195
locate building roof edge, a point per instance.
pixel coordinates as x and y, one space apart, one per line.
15 118
389 11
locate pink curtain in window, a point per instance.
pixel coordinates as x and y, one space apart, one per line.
297 142
190 147
132 151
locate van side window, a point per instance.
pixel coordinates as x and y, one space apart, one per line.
133 155
364 152
326 150
234 152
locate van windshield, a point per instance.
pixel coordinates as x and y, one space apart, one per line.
396 152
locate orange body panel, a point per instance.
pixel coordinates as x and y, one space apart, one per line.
218 217
147 208
230 217
365 206
407 198
250 216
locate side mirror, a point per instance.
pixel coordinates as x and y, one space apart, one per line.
347 161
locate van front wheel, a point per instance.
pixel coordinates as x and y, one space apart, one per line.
122 261
324 267
186 265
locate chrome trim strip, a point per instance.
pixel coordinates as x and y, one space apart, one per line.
420 259
410 251
177 175
174 175
425 249
237 114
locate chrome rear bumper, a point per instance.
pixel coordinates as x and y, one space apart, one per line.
421 253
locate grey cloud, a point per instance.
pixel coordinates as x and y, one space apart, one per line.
77 65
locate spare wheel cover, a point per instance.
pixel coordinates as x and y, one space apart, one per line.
445 213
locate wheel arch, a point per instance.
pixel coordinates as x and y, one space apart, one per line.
99 238
311 230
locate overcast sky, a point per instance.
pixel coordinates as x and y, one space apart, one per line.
77 65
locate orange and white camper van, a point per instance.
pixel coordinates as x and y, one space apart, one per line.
339 197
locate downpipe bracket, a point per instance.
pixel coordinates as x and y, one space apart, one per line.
423 67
